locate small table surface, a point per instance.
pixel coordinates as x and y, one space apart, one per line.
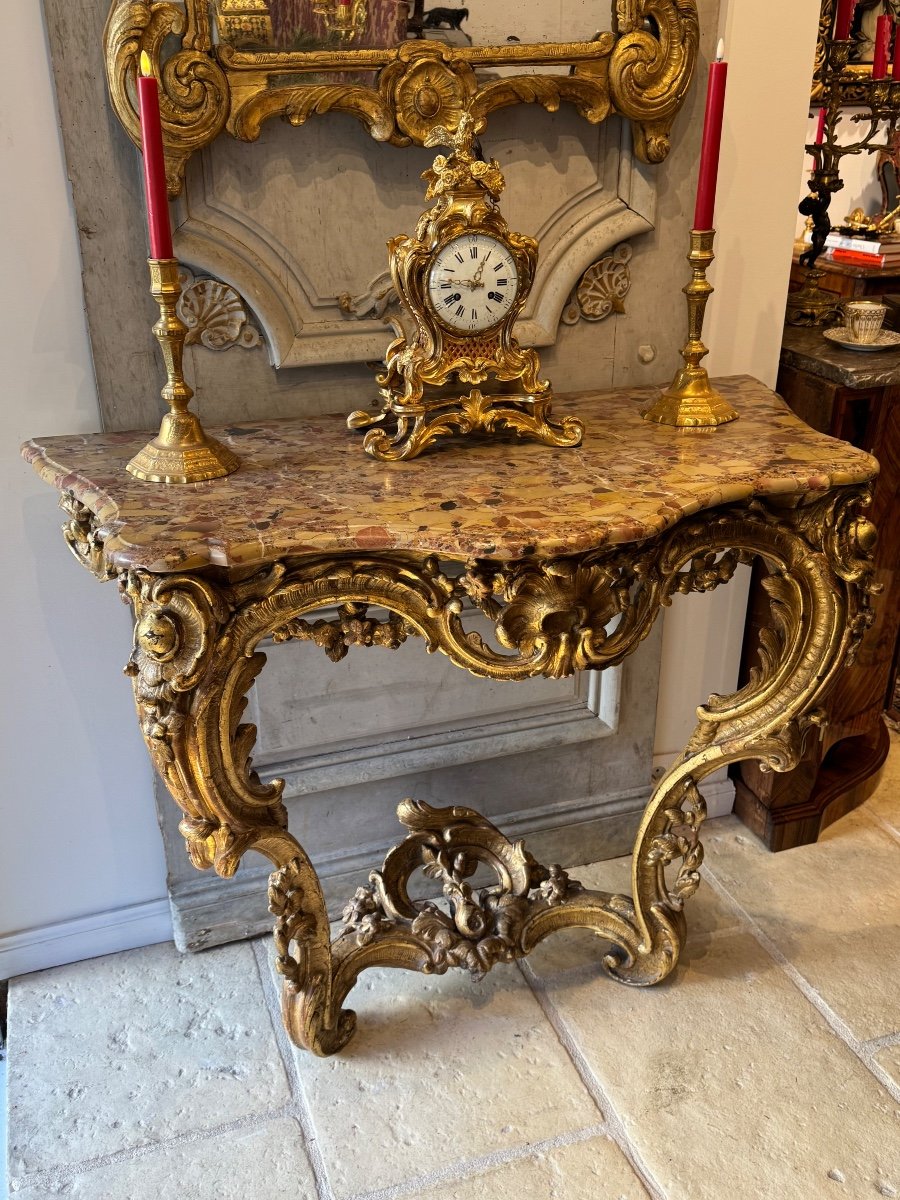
807 350
305 486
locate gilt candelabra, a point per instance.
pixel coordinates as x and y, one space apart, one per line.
812 305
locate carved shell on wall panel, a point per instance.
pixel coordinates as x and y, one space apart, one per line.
602 288
215 315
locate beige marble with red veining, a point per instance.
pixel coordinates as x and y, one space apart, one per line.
306 486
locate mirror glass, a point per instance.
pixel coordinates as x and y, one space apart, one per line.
308 25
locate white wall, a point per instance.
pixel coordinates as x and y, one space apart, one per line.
78 836
766 109
81 867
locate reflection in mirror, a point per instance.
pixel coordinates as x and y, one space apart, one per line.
309 25
862 32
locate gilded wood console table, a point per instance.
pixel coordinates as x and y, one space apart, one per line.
570 553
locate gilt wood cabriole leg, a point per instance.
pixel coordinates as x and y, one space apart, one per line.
195 657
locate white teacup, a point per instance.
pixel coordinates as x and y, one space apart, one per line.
864 319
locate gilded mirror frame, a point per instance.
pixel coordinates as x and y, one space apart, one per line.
641 70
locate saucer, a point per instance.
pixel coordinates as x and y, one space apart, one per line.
886 340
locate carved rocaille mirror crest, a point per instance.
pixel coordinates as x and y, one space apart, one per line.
397 66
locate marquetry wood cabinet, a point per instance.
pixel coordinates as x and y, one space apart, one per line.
854 396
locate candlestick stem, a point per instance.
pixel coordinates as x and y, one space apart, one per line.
691 401
181 452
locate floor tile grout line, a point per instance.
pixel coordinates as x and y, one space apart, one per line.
885 1042
58 1175
473 1167
837 1024
614 1125
300 1106
885 826
453 1172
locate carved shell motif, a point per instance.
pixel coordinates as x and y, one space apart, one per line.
215 315
602 288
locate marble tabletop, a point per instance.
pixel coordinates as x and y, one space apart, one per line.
808 350
306 486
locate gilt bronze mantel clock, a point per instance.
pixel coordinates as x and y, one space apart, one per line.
463 278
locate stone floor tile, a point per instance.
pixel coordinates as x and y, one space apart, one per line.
263 1163
267 1162
833 910
885 802
728 1082
590 1170
130 1049
441 1070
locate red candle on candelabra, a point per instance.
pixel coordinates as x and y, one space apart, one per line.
882 43
155 188
712 140
844 19
820 132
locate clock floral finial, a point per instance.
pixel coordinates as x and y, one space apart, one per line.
461 169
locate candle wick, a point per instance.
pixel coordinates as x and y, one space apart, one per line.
720 50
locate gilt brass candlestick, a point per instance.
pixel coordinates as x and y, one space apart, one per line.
691 400
181 452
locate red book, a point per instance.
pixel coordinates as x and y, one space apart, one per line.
851 259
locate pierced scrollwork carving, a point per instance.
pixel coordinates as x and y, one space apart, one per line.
214 314
417 84
194 94
602 289
351 628
681 840
83 537
196 656
478 929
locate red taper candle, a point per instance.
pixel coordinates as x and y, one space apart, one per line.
712 140
154 163
820 133
844 19
882 43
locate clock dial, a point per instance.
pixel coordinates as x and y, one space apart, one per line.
473 283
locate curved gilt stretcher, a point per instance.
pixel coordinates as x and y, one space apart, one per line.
639 513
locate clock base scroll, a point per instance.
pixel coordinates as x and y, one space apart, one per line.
403 431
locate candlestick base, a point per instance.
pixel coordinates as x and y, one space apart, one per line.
811 305
181 452
691 402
